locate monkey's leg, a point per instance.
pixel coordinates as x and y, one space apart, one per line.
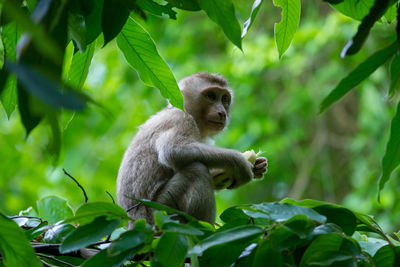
191 190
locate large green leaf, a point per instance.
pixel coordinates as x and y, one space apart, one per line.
57 233
127 241
266 253
14 246
169 210
88 234
253 14
238 234
80 67
164 223
141 53
53 209
8 93
378 9
356 9
285 29
391 159
89 211
115 14
93 21
381 252
171 250
360 73
394 75
28 109
222 12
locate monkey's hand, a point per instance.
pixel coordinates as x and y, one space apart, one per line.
242 172
260 167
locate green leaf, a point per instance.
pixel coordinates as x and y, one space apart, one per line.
322 248
53 209
391 13
14 246
88 234
80 67
54 146
360 73
394 75
8 93
191 5
234 214
103 259
391 159
115 14
157 9
266 253
141 53
356 9
384 257
253 14
127 241
222 12
285 29
237 235
44 89
378 9
93 21
282 212
89 211
171 250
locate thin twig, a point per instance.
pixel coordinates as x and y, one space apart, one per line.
110 196
54 259
134 206
83 190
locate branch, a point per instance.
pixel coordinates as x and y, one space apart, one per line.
83 190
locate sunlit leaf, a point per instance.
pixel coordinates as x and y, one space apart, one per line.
8 91
391 159
54 146
57 233
77 29
378 9
80 67
141 53
360 73
253 14
285 29
391 13
115 14
356 9
157 9
222 12
88 234
53 209
191 5
394 75
14 246
171 250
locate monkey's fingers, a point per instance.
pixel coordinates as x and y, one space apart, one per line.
259 173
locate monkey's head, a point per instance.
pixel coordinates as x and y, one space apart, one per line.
208 98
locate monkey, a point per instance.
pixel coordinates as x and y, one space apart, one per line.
169 162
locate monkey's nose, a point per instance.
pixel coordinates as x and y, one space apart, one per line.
222 115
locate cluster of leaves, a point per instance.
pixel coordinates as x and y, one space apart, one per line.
286 233
38 75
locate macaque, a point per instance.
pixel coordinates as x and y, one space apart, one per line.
168 161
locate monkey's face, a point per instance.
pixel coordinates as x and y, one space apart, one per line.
215 107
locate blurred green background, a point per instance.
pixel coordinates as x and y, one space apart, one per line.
334 156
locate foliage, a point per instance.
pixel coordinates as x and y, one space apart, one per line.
333 156
286 233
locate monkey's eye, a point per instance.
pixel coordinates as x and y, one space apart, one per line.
211 95
225 99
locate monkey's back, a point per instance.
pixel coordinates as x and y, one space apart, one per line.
141 175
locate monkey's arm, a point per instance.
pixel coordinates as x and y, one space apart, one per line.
176 152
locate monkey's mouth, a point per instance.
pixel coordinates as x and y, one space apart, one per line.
217 124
